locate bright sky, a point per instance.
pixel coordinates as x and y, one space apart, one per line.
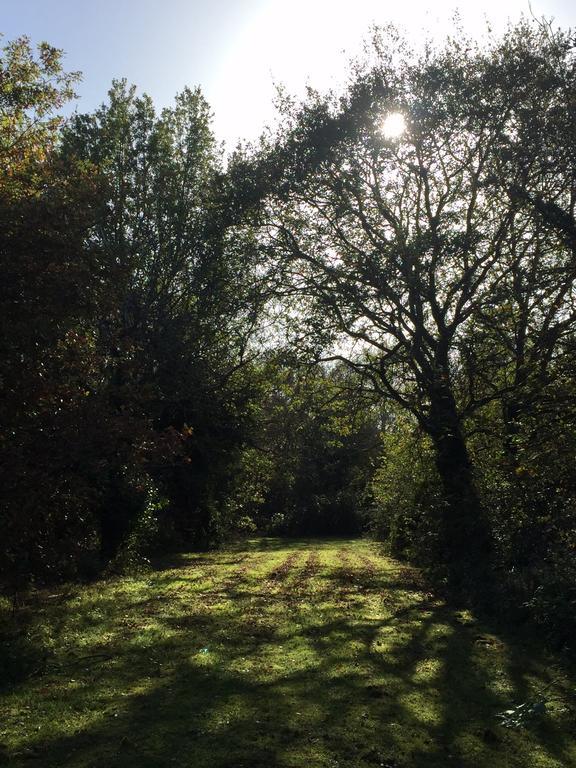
234 49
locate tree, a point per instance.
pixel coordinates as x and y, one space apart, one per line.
320 431
32 88
179 337
50 292
400 248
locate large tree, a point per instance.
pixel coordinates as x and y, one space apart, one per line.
179 340
401 248
52 290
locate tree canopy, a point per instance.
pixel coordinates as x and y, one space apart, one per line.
417 256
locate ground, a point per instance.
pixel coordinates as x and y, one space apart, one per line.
272 654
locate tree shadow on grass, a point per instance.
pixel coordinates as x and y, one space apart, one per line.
357 674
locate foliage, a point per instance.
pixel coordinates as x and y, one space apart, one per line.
125 327
524 714
145 524
186 306
417 260
322 435
407 493
49 296
32 87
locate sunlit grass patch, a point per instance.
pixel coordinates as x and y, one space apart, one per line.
278 654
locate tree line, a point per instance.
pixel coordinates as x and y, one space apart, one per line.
330 331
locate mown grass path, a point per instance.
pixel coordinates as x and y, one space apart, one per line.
277 654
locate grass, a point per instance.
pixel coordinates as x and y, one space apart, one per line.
276 654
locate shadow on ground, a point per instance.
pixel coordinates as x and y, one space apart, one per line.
286 654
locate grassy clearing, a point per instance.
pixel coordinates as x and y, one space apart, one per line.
316 654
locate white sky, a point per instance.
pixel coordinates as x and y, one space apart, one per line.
310 41
235 49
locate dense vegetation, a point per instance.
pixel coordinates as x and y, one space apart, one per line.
331 332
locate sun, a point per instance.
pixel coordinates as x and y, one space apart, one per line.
394 125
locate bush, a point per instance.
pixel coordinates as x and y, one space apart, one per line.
407 497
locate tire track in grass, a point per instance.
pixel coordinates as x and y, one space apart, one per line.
340 627
246 564
346 574
356 586
311 566
369 565
230 596
230 588
283 582
299 590
357 573
280 573
257 622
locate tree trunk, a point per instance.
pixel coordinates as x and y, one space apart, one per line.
115 516
466 532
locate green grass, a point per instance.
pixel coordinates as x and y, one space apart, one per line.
313 654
